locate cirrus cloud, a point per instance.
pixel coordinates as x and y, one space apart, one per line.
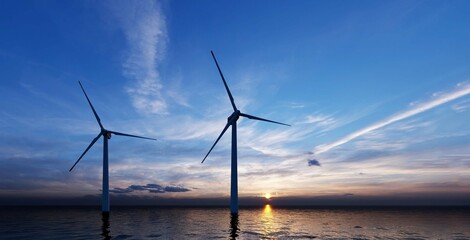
462 89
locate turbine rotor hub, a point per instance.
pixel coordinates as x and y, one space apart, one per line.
235 115
106 133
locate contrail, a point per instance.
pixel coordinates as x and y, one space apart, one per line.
462 90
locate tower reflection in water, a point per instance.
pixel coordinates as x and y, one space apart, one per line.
266 219
234 226
105 227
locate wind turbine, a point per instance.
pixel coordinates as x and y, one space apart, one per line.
106 134
232 121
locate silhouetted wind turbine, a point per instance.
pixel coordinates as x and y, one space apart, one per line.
232 121
106 135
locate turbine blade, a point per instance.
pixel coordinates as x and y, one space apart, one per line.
261 119
129 135
225 83
216 141
92 108
86 150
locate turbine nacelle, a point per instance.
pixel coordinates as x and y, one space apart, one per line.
106 133
235 115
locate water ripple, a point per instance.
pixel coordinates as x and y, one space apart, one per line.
217 223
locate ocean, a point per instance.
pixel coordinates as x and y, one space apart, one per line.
265 222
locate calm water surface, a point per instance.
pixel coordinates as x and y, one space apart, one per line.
217 223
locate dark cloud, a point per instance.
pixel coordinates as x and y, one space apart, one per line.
137 188
156 190
313 162
121 190
176 189
152 188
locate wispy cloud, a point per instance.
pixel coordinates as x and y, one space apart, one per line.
461 106
318 119
322 123
144 27
438 99
295 105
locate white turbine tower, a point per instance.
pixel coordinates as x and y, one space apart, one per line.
106 135
232 121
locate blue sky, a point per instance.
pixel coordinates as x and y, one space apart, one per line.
377 93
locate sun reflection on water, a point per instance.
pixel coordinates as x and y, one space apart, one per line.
267 219
267 210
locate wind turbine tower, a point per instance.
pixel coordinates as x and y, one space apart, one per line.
232 121
106 134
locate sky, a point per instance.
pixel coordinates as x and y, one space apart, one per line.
377 93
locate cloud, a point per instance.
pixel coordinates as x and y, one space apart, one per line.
313 162
461 106
364 155
144 27
121 190
295 105
152 188
261 172
438 99
319 119
140 188
176 189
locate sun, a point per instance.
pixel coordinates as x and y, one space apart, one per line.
267 195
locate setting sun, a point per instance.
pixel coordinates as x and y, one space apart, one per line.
267 195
